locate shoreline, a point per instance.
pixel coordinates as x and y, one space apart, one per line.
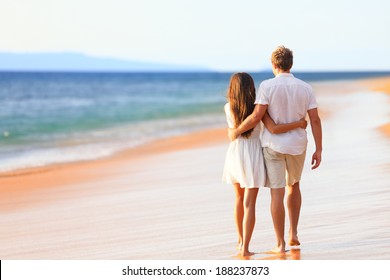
381 84
162 145
31 179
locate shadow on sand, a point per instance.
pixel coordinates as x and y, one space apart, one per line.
292 254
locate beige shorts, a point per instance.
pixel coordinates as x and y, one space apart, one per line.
282 169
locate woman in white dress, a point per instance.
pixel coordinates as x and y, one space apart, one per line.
244 164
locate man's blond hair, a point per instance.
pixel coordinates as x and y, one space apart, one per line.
282 58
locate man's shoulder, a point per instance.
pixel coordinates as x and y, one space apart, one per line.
279 80
303 83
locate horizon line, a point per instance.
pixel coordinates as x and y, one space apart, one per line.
179 71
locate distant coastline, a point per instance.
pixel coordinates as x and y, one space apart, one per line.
78 62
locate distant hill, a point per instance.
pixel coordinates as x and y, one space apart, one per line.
65 61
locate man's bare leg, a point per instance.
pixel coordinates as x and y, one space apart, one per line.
249 219
294 202
239 213
278 216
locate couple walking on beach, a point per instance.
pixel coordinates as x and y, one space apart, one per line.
272 154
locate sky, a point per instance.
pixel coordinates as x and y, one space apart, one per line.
332 35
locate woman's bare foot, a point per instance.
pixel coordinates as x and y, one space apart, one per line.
279 249
239 246
246 253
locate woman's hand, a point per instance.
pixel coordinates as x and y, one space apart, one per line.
232 134
302 123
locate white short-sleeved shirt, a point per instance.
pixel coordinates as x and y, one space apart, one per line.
288 100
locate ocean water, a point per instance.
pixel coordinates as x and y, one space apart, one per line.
49 118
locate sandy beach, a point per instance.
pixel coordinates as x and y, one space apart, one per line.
165 200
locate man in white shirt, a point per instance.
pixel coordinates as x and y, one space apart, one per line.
287 99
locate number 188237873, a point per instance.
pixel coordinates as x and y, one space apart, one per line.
243 270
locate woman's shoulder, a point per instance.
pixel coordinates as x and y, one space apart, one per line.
227 107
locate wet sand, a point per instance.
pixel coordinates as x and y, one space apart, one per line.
165 200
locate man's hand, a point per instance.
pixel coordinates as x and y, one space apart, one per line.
232 134
316 159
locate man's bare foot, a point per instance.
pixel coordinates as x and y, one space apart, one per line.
294 241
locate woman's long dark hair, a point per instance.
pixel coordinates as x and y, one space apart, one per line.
241 95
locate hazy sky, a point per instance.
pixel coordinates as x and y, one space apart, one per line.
222 35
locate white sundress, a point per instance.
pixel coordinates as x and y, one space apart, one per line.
244 162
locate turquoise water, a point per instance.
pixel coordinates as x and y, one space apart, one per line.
48 118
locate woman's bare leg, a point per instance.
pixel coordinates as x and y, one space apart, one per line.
239 212
249 218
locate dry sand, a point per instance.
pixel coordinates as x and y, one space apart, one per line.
165 200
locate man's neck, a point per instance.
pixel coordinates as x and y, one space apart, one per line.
277 72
